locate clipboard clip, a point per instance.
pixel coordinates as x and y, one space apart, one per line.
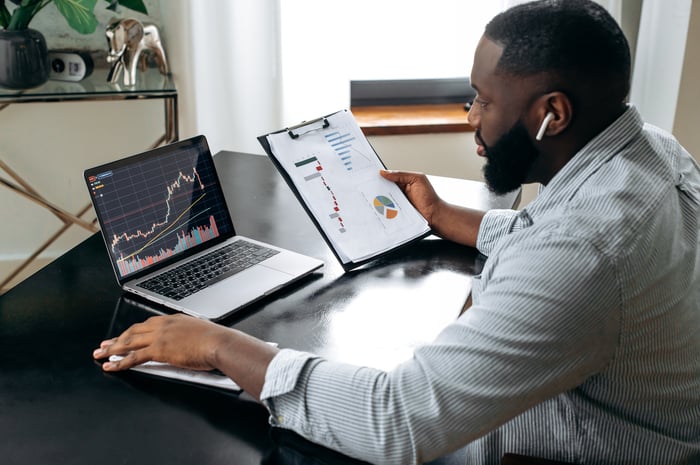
296 135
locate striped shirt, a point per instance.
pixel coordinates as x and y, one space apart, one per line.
582 343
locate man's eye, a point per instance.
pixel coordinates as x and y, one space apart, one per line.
481 103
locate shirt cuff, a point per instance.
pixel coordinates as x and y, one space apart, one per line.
283 372
494 225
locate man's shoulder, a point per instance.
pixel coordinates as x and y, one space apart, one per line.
630 193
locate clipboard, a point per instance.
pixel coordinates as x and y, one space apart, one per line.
333 172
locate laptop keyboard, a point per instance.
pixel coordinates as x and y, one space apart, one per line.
208 269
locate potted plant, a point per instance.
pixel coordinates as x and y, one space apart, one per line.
23 51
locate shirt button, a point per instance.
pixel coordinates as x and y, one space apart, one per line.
280 419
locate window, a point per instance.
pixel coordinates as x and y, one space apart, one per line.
326 44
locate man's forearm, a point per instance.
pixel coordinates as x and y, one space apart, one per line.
457 224
244 359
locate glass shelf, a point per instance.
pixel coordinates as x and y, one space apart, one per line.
149 84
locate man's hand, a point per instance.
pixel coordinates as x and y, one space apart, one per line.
188 342
458 224
179 340
419 191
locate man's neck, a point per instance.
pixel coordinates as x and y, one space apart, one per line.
561 151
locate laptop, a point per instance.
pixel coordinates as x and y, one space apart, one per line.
170 237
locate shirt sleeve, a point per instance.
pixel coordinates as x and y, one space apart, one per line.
541 328
283 371
495 225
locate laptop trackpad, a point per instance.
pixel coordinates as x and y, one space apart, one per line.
236 291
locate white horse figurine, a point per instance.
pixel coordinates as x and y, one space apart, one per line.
128 39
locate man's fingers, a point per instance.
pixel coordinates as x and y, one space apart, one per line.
129 360
107 343
132 339
400 177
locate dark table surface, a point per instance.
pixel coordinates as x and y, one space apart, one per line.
57 406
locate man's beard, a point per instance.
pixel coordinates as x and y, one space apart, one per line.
509 160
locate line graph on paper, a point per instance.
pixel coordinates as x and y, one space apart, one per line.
157 210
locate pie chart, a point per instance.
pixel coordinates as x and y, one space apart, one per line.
385 206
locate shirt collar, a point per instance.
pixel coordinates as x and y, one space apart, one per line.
587 161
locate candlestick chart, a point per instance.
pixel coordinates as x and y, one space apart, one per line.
158 209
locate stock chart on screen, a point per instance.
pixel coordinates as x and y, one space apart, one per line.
158 208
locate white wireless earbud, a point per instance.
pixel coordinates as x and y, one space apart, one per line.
543 127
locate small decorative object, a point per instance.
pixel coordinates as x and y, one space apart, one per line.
23 52
24 59
70 65
128 39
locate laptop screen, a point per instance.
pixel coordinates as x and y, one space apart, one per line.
158 205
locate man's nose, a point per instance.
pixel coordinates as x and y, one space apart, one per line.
474 117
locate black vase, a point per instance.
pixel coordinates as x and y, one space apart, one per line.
24 59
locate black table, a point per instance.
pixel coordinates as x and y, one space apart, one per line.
57 406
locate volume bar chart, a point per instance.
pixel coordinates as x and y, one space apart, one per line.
185 241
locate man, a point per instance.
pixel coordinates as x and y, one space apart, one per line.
582 342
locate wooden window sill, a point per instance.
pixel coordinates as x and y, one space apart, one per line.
412 119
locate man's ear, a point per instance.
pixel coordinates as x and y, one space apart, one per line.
554 113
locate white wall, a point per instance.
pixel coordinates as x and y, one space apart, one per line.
452 155
50 144
687 118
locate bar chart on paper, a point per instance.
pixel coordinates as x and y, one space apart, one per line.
347 150
313 166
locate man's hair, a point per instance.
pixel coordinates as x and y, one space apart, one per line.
576 42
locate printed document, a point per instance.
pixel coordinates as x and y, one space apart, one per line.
335 171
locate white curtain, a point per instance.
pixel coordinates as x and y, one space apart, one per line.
663 30
225 60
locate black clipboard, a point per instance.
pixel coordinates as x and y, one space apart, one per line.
300 130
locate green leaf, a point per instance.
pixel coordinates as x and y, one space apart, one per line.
23 14
79 14
136 5
4 15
